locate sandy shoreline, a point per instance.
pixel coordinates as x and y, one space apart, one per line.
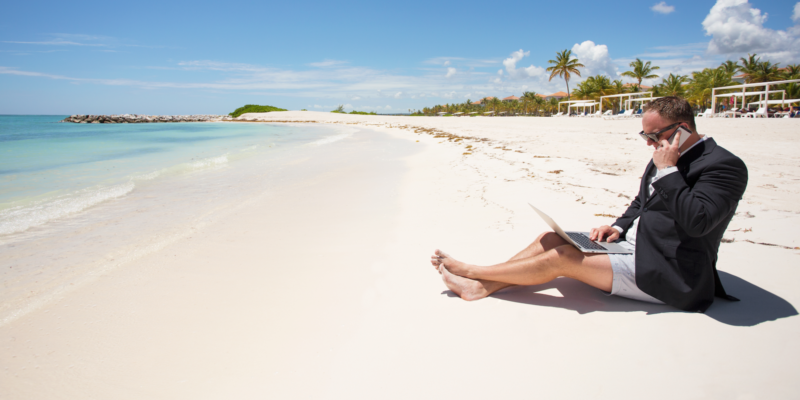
333 297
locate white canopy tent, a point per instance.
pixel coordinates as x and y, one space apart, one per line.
570 102
766 86
621 95
642 99
582 105
761 96
783 102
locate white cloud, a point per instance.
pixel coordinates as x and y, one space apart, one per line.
595 58
397 95
511 66
737 28
388 107
327 63
796 13
317 106
356 98
663 8
450 71
446 63
57 42
500 72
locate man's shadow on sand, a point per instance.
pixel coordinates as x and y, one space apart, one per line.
756 306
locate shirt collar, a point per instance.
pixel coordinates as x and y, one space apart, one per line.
702 139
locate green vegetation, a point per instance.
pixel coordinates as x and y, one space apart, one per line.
695 87
340 110
563 66
252 108
641 70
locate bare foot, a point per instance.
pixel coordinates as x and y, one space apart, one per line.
454 266
465 288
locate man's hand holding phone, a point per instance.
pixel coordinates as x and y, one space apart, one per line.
668 150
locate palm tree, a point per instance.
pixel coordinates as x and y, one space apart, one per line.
730 66
765 71
672 85
641 70
539 103
701 83
528 99
564 66
496 103
792 71
749 66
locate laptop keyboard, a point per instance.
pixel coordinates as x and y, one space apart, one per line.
584 241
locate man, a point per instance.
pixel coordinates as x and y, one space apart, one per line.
687 196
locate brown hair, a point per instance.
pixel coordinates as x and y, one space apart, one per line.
672 108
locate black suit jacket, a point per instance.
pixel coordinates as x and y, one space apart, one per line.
682 223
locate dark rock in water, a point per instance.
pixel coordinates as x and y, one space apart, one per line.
136 119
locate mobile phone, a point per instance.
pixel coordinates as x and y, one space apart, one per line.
684 136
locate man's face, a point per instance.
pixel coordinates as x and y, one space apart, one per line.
653 122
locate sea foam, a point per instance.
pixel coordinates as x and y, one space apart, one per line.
21 218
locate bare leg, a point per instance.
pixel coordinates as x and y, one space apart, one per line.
547 258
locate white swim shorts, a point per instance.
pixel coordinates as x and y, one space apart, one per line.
624 285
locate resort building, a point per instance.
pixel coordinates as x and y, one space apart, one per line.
511 98
556 95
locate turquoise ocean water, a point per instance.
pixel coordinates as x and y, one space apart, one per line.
80 199
50 170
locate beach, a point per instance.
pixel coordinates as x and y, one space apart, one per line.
316 282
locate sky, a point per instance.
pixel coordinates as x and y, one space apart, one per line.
204 57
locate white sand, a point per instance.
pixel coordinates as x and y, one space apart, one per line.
333 297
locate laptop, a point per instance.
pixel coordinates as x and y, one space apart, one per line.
581 239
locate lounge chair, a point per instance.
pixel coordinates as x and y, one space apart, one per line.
638 113
760 113
709 113
733 113
622 115
608 113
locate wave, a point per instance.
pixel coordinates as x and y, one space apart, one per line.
209 162
21 218
331 139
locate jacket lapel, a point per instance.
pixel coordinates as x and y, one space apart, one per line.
643 189
694 155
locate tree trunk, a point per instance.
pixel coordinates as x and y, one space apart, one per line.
568 98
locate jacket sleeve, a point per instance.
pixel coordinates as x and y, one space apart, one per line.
699 209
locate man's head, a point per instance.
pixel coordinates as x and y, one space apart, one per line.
667 112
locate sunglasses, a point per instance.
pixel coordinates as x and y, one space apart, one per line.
654 136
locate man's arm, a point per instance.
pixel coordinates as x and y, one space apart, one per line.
625 221
699 209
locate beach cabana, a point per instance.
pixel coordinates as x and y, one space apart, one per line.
583 106
623 95
640 99
744 87
570 102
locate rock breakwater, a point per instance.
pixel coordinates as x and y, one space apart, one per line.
139 119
